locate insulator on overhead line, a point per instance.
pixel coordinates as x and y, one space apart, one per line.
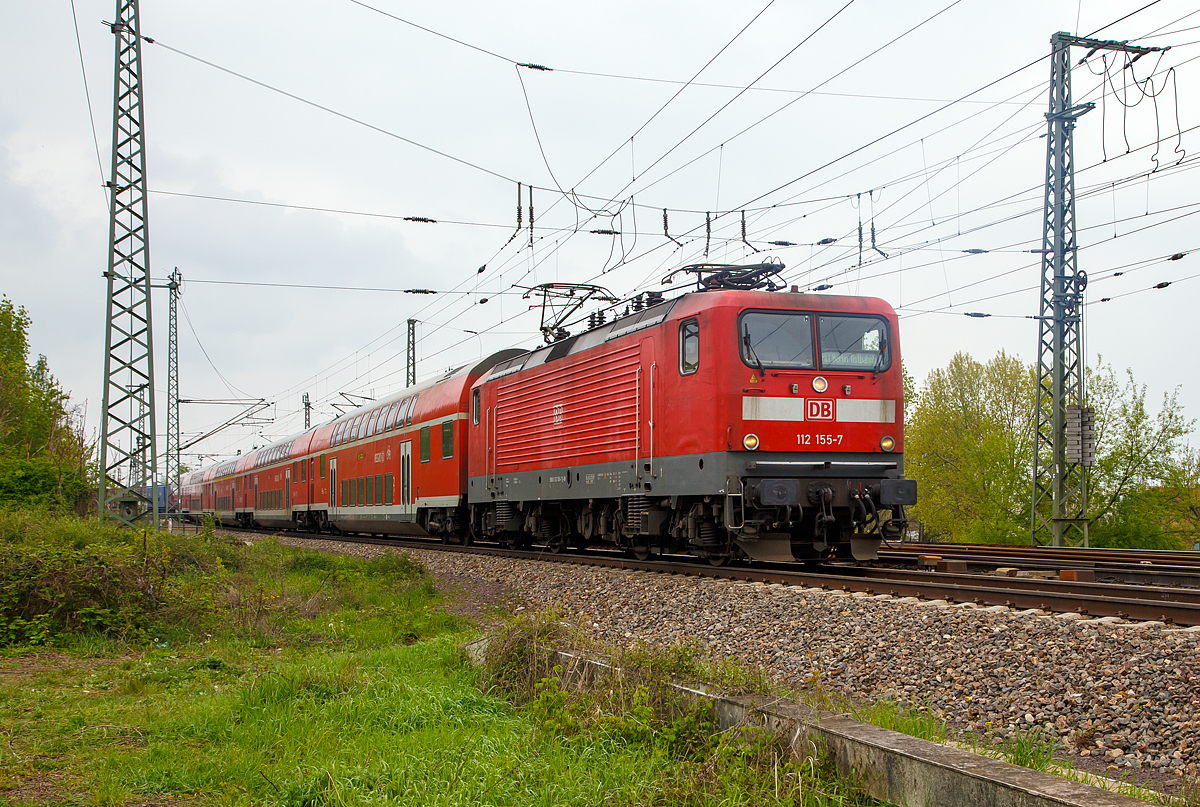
421 219
975 251
1162 285
781 243
1178 256
824 242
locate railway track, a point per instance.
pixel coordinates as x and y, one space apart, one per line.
1168 604
1144 567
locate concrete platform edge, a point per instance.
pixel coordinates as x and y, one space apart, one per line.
886 764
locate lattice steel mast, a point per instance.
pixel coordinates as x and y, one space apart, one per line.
174 286
410 370
128 477
1060 498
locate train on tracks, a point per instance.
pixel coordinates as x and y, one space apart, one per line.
732 421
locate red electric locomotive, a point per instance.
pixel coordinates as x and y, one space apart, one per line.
727 422
722 423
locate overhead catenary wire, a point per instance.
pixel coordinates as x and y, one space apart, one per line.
87 94
624 230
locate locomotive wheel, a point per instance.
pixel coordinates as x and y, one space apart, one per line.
557 544
718 560
639 545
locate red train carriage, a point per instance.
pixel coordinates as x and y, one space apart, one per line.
394 467
721 423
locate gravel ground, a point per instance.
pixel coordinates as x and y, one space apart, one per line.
1123 698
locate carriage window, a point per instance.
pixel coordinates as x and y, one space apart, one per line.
372 423
776 339
448 439
391 417
425 444
370 490
387 489
689 347
360 500
378 489
322 466
853 343
412 407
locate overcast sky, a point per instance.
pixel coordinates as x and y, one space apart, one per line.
848 118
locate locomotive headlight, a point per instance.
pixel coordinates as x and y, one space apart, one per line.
820 384
750 441
887 444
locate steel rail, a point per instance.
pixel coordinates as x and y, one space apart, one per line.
1087 556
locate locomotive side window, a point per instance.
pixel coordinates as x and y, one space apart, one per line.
689 347
475 408
777 339
425 444
853 343
448 439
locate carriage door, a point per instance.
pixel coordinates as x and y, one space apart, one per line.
406 508
333 485
287 489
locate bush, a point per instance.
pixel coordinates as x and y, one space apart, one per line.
64 576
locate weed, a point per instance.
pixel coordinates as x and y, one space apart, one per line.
1029 749
915 722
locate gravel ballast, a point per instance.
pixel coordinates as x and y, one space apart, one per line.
1123 698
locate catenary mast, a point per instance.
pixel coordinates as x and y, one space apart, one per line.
1063 446
128 452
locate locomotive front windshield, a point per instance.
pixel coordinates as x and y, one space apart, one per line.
853 343
784 340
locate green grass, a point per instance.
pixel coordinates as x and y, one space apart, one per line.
272 675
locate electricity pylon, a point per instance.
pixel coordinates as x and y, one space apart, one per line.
410 369
128 477
1060 497
174 286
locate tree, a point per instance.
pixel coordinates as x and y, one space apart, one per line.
967 443
44 452
1145 478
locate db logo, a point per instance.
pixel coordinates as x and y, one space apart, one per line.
820 410
558 414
